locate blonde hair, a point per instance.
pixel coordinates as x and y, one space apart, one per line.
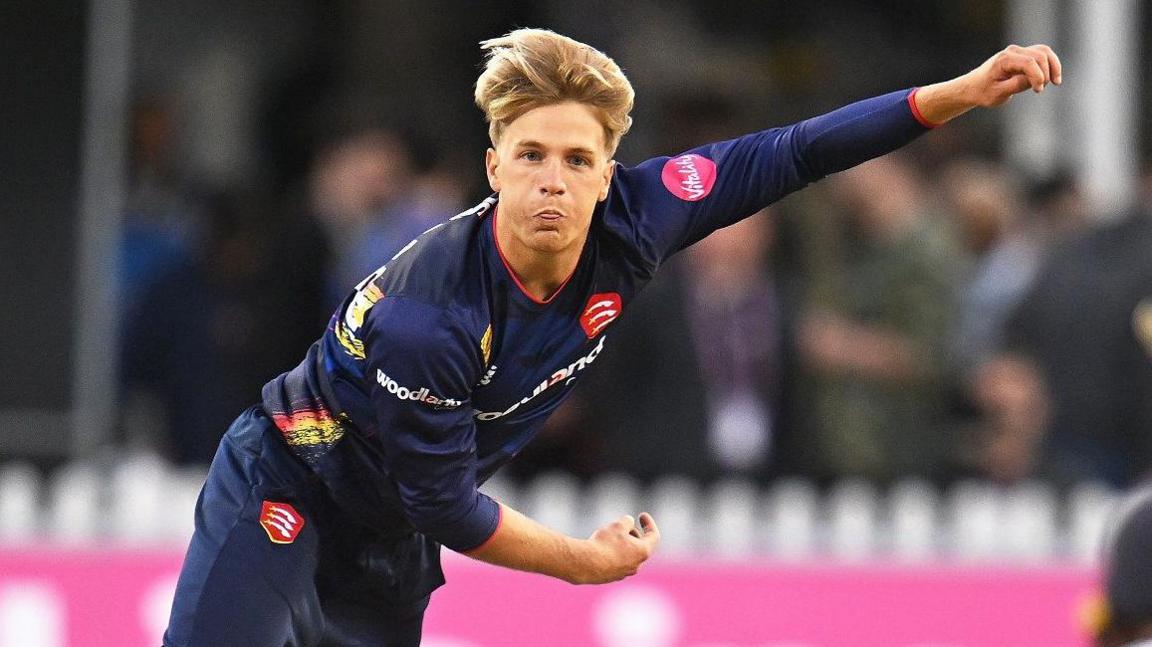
529 68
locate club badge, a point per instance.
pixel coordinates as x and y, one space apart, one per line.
281 521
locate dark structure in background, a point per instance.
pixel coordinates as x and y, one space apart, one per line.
41 112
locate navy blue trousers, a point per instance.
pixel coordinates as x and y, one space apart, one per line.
274 562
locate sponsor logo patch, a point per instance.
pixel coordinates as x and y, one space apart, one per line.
689 177
565 375
419 395
601 310
281 521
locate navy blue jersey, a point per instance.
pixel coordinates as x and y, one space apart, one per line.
439 367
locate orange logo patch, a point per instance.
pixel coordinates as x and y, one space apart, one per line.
281 521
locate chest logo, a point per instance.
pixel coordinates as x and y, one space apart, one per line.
689 177
281 521
601 310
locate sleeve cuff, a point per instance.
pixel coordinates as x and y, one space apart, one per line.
499 521
476 529
916 111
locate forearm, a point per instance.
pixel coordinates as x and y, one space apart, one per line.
525 545
853 134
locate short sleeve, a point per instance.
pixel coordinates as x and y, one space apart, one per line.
422 365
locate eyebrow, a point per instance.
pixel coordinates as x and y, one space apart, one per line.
531 143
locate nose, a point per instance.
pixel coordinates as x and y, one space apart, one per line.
551 179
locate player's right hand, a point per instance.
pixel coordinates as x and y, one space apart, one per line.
617 549
1012 70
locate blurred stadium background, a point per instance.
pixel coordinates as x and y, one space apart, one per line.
894 411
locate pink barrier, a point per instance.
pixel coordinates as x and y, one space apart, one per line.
120 598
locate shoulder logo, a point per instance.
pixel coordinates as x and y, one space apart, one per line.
601 310
281 522
486 345
346 328
689 177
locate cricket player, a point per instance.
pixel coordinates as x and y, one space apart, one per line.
1122 616
325 508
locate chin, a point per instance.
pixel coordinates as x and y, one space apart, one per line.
550 241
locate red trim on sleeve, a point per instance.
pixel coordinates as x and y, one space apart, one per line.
499 522
916 110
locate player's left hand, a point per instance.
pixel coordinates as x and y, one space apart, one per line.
1012 70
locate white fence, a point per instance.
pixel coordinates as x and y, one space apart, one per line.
142 501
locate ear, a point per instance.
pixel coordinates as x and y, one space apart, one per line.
491 163
608 169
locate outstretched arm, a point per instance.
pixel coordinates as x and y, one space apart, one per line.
674 202
1007 73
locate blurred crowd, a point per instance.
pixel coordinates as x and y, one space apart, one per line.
935 313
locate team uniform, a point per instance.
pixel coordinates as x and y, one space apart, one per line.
326 505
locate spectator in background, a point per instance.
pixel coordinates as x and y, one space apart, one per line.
872 367
1081 325
1003 250
212 326
366 192
733 305
1001 397
161 225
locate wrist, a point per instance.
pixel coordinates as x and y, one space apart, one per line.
581 563
938 103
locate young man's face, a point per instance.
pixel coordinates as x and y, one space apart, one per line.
550 168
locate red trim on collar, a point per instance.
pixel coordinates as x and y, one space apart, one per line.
516 279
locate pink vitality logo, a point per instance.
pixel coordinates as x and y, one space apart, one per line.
689 177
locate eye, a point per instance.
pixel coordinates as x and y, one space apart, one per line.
579 160
531 156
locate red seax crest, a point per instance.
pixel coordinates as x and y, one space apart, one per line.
601 310
689 177
281 521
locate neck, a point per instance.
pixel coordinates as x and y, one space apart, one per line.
539 274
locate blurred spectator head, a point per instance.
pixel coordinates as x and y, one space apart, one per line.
737 253
883 196
691 119
1057 203
985 199
354 178
152 135
1125 616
